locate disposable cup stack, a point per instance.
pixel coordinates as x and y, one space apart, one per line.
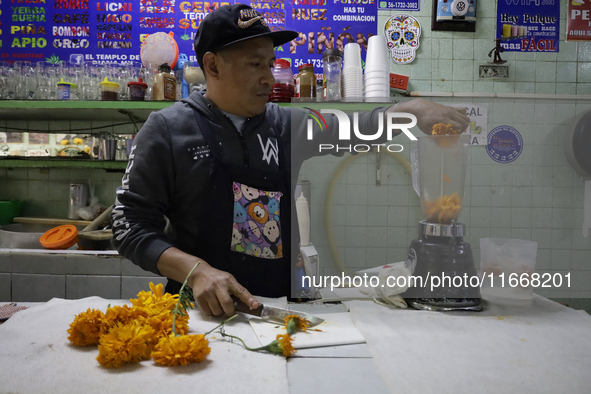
377 70
352 73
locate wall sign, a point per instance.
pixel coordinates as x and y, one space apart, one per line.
103 32
528 26
403 33
578 21
393 5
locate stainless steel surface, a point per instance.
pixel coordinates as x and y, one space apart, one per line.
278 315
442 230
441 308
26 236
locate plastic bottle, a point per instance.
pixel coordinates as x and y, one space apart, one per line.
303 219
283 89
164 87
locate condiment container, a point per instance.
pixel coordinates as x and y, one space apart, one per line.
164 87
110 90
65 90
137 90
303 213
283 89
306 81
332 60
61 237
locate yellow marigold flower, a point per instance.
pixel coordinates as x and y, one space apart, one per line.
283 344
78 141
294 323
122 315
162 324
88 150
174 350
154 302
87 328
64 142
128 343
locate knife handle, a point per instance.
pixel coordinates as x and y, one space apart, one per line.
240 306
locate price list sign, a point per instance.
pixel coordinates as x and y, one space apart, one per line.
391 5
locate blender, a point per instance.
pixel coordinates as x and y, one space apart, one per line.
440 257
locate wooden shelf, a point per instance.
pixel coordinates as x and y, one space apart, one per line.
29 162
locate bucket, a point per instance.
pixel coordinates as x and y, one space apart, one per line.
9 210
61 237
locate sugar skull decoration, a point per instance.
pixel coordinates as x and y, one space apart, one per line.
402 33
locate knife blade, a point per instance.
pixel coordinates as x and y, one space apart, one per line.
273 314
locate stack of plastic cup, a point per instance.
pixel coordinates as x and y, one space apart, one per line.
377 70
352 73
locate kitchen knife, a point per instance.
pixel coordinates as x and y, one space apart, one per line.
274 314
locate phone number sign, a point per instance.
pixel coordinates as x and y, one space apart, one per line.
408 5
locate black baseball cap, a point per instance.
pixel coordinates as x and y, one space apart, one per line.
230 24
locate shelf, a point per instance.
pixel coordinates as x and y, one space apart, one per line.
79 110
60 163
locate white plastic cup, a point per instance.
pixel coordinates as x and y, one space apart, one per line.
376 53
352 56
507 266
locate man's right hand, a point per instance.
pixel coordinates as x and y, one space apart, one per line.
212 289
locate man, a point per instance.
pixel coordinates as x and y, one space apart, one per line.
204 164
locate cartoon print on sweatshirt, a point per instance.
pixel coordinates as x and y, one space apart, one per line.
257 224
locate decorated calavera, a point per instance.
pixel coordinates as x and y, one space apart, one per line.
403 33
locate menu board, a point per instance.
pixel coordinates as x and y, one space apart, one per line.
578 21
112 32
528 26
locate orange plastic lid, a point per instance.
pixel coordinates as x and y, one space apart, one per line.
60 237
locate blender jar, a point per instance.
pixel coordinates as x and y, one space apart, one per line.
442 172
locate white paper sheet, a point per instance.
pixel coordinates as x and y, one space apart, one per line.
337 329
36 357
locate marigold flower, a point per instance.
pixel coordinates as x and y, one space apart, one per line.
155 301
64 142
174 350
294 323
122 315
87 328
283 344
162 324
128 343
78 141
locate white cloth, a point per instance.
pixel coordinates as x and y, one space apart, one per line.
36 357
542 349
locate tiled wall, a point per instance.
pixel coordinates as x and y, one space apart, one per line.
538 197
46 190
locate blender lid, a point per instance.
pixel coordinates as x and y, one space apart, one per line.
332 52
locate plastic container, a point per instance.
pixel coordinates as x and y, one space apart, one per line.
9 210
62 237
332 60
283 89
442 172
65 90
137 90
159 48
110 90
507 266
303 213
306 81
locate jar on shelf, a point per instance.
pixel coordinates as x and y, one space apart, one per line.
306 81
283 89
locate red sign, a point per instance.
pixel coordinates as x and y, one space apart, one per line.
578 21
399 82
